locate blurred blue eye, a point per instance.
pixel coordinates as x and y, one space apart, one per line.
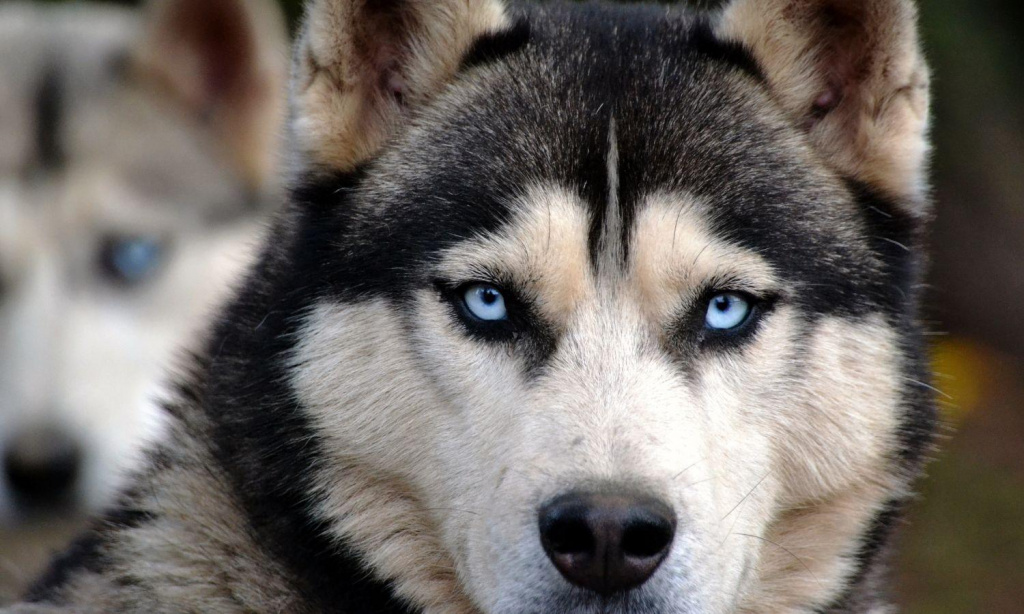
131 260
727 311
485 303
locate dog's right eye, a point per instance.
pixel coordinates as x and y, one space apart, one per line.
727 311
485 302
487 311
131 260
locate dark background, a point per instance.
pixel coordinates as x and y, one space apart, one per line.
964 549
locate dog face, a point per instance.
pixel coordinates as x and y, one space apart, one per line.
619 307
125 213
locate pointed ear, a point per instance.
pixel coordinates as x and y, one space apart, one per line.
226 62
362 66
853 74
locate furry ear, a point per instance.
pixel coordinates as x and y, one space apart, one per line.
226 62
853 74
361 65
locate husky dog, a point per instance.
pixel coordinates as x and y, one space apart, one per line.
135 162
574 308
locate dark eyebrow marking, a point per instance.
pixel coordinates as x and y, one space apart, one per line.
494 46
50 154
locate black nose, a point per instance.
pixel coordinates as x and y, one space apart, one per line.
41 466
607 542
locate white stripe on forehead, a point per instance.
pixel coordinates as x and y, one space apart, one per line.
610 246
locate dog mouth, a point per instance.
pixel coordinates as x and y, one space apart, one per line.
575 601
662 596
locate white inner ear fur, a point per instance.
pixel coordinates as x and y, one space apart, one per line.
853 73
354 58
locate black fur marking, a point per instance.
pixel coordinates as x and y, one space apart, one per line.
593 184
875 547
845 259
703 40
495 46
85 554
920 416
263 437
896 239
50 154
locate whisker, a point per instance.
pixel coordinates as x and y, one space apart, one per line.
691 484
737 506
929 387
750 492
896 243
450 509
680 474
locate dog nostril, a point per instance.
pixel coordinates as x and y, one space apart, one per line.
606 542
569 535
41 467
648 537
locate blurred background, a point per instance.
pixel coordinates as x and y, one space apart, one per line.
964 548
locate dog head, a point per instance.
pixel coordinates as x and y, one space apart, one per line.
615 306
136 151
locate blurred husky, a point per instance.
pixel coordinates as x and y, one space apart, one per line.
574 308
135 164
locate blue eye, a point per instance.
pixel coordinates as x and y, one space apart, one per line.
727 311
485 303
131 260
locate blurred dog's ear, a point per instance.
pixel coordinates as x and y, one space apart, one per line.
852 73
226 62
362 65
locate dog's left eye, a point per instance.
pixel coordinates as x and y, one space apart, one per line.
485 302
131 260
727 311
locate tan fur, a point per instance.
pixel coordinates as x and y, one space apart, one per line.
368 493
833 449
198 559
560 269
675 250
354 57
866 56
